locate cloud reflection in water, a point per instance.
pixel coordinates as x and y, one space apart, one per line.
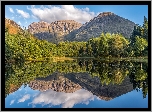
66 100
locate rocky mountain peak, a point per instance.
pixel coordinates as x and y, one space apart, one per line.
105 14
13 27
56 83
61 25
53 31
106 22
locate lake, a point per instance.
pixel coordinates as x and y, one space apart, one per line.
80 83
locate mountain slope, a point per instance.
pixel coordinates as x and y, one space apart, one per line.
13 27
104 22
73 31
54 31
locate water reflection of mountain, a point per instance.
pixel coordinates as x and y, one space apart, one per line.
56 82
13 88
70 83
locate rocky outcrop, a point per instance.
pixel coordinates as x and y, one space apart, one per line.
105 22
13 27
105 14
54 31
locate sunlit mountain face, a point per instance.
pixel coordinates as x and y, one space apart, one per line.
82 84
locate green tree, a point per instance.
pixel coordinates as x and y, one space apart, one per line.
140 45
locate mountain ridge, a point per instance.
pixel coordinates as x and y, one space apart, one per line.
13 27
70 30
54 31
105 22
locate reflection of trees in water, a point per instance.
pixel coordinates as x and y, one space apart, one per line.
108 72
113 72
105 92
139 77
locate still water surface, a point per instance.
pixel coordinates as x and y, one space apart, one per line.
77 84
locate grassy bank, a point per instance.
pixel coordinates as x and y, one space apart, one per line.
55 59
138 59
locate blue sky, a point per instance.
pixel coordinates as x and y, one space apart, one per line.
26 14
28 98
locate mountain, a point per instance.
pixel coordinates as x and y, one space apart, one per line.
13 27
73 31
105 92
56 82
69 83
54 31
104 22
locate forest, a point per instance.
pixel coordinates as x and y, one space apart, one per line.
23 46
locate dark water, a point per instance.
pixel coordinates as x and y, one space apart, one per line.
77 84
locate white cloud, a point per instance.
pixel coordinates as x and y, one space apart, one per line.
12 101
25 97
20 89
98 98
32 5
13 17
23 14
19 23
87 9
66 100
63 12
11 10
34 17
50 6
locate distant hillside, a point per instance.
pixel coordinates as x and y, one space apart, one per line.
104 22
53 32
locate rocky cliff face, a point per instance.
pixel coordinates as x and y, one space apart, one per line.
106 22
54 31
